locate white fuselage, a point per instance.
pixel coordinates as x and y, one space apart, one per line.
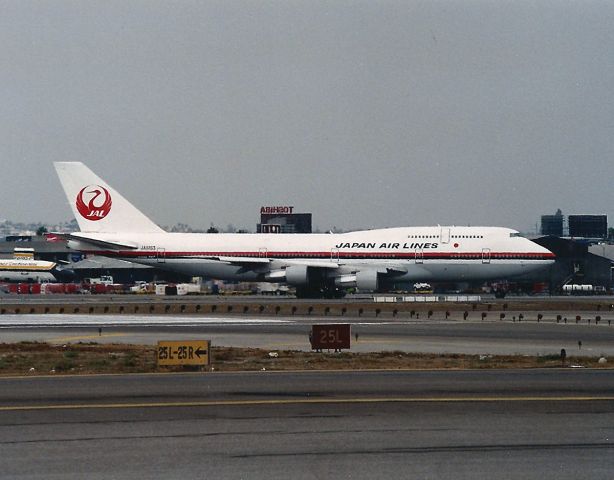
407 253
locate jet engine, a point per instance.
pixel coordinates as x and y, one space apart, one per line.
362 279
295 275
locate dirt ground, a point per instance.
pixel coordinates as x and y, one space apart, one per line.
33 358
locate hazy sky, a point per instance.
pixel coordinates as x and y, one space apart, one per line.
366 113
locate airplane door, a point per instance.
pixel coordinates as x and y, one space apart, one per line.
334 255
445 235
486 255
419 255
161 255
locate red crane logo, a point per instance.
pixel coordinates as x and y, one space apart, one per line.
95 209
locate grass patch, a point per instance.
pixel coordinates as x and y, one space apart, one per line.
64 366
101 364
130 360
548 358
19 358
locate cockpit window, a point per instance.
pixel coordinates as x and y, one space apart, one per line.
515 234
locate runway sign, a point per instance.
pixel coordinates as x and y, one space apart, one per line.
184 352
334 336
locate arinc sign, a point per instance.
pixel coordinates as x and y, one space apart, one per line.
282 210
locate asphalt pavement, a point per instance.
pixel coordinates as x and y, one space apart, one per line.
313 425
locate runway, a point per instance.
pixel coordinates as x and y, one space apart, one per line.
507 424
463 424
291 333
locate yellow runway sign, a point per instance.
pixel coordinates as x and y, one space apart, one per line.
184 352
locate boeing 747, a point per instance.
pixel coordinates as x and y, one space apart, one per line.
316 264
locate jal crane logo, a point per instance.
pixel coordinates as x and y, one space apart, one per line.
94 202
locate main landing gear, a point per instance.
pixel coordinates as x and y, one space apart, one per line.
320 291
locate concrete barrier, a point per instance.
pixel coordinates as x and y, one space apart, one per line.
416 309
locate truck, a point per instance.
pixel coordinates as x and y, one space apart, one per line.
265 288
178 289
102 280
577 289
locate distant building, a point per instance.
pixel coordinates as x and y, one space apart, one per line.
282 219
553 224
588 226
52 251
18 238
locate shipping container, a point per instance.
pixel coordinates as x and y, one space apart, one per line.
54 288
98 288
71 288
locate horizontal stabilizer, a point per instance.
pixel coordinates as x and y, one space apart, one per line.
106 244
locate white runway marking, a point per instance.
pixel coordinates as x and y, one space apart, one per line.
69 320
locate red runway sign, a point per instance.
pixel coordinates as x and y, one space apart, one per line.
334 336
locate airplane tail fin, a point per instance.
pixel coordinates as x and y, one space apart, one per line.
97 207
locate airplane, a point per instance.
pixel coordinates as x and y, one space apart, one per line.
26 270
318 265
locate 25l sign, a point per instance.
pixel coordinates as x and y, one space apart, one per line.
334 336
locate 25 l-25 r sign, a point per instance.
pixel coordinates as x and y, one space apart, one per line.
184 352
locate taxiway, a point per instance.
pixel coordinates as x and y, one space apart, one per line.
307 425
